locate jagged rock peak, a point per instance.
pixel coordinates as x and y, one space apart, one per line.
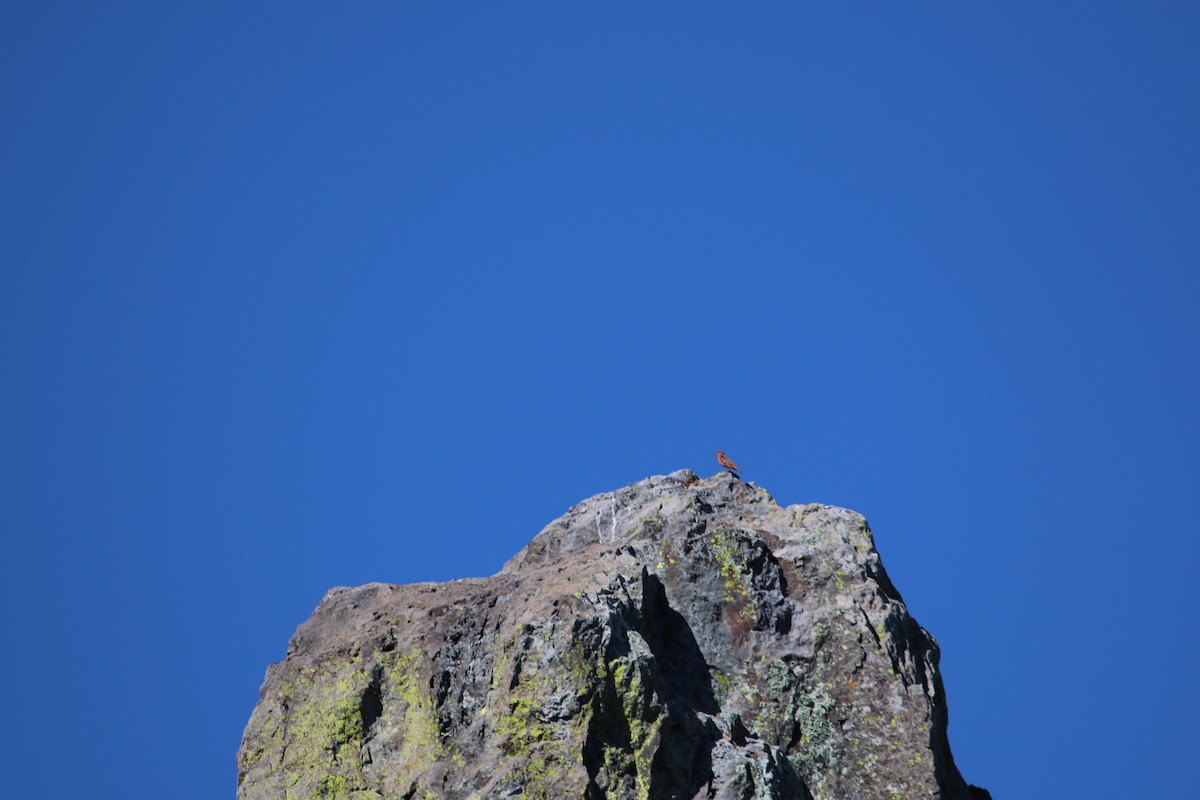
679 638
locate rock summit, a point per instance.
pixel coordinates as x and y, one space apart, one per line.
678 638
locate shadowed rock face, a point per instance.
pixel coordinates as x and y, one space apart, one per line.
678 638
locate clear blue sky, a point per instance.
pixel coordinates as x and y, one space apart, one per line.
298 295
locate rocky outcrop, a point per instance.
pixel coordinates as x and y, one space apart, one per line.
678 638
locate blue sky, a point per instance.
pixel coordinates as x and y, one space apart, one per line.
301 295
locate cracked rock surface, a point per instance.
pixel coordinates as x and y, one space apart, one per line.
677 638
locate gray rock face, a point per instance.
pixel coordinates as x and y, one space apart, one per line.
678 638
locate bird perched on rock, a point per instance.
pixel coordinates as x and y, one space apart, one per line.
726 462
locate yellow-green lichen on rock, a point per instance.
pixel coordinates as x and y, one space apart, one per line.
413 727
322 755
734 575
539 744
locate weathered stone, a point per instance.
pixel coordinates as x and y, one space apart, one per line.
678 638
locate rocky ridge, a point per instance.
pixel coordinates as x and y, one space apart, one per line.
677 638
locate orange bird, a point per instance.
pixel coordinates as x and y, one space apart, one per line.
726 462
